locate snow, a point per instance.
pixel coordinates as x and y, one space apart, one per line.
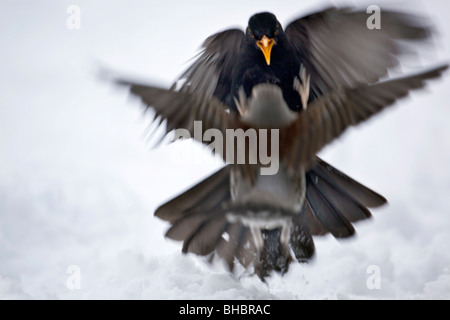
78 185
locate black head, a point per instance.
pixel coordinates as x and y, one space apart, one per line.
264 30
264 24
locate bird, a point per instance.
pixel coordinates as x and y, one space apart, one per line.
333 45
325 46
237 212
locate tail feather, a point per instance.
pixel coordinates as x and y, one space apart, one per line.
307 218
183 228
326 212
195 196
198 218
191 210
333 200
241 249
202 226
349 207
340 181
235 246
205 239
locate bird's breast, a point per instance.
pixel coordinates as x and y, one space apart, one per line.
279 191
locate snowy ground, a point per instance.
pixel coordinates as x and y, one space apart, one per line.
78 186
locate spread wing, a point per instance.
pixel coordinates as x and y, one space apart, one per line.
179 109
339 50
212 72
329 116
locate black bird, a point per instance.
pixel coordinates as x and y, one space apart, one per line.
267 217
334 45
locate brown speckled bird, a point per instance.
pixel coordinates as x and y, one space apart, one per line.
265 221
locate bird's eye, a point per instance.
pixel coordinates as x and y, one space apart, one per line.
250 33
277 30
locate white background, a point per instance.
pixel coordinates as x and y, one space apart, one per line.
78 185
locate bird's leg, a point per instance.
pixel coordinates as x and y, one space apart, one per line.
303 86
257 239
285 234
285 238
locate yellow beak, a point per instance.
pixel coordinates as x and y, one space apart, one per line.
266 44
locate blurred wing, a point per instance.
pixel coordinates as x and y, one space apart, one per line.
212 72
179 110
339 50
329 116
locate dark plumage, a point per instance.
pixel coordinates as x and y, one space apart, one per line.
334 45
